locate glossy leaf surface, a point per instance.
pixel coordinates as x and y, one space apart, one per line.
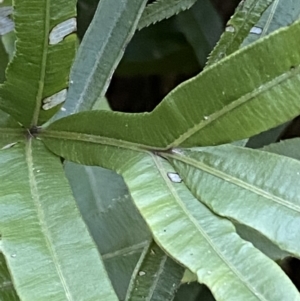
255 188
48 249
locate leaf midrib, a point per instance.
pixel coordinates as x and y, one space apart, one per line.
170 187
42 220
234 105
43 65
233 180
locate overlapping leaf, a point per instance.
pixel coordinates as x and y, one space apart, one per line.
280 13
163 9
156 276
188 231
7 291
114 223
100 52
42 71
227 102
238 27
48 249
255 188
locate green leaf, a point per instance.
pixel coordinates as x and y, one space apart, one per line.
238 27
48 249
198 239
47 64
280 13
202 27
255 188
10 131
113 221
289 148
7 291
3 62
163 9
156 276
100 52
212 108
185 228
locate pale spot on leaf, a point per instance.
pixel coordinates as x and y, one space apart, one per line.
54 100
9 145
6 23
61 30
256 30
174 177
229 28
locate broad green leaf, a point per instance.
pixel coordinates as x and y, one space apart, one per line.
100 52
212 108
7 291
24 95
189 232
255 188
289 148
163 9
280 13
202 27
48 249
156 276
238 27
198 239
113 221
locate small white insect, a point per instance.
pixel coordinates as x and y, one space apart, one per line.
9 145
61 30
54 100
174 177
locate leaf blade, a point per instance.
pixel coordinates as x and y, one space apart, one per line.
36 226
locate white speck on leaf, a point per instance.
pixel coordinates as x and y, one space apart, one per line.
55 99
61 30
9 145
230 28
174 177
256 30
142 273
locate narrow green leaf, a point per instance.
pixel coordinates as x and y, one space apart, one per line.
202 27
289 148
212 108
7 291
238 27
113 221
47 64
3 61
100 52
280 13
163 9
156 276
48 249
255 188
